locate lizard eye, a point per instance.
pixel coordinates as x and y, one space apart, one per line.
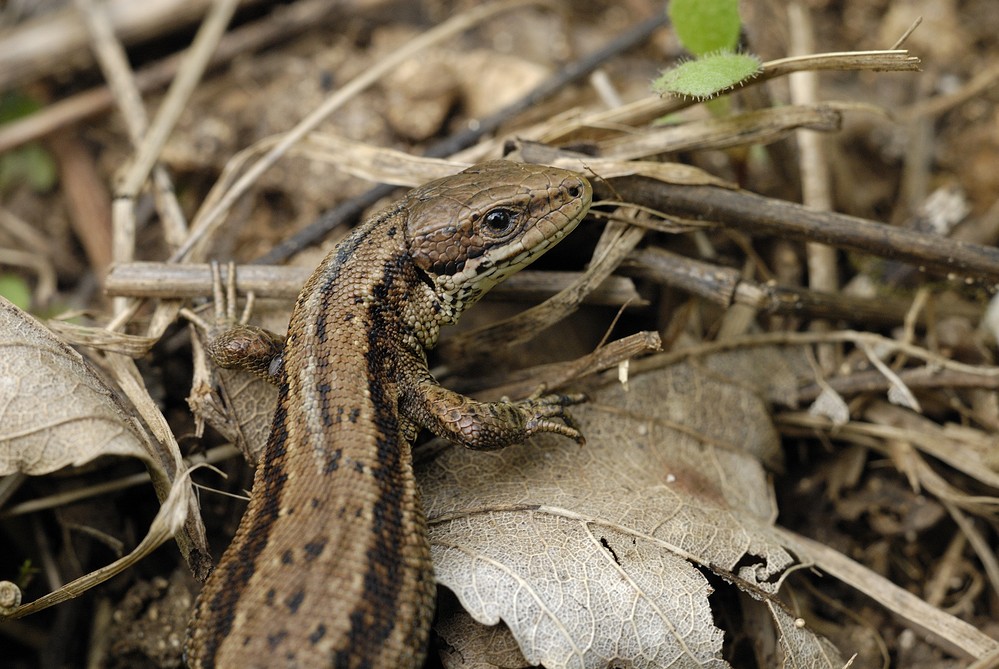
499 221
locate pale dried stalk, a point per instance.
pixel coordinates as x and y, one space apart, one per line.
167 523
646 109
957 635
210 216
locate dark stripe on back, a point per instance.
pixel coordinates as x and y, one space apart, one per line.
373 621
233 581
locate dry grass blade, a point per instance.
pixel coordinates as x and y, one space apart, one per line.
961 637
209 218
169 521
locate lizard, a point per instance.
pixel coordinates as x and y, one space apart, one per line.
330 565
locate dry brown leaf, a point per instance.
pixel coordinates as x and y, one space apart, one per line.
57 411
471 645
799 647
168 523
593 556
245 418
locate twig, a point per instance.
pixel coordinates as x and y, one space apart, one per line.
813 165
759 215
186 281
954 634
920 378
190 73
801 338
726 286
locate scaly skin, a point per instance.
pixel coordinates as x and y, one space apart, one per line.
330 566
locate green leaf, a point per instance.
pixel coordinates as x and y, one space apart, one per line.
708 76
706 26
30 164
15 105
15 289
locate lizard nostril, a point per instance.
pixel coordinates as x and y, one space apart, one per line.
575 191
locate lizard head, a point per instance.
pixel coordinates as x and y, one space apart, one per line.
469 231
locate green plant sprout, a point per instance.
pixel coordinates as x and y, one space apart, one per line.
30 164
709 29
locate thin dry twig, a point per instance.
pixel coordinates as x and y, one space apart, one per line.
186 281
114 63
755 214
959 636
877 341
195 62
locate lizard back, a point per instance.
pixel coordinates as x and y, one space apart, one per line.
330 565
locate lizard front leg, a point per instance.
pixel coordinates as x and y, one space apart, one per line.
232 343
481 425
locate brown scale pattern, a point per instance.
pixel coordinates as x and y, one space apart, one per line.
330 566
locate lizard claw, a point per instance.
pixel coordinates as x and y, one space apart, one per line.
541 409
229 340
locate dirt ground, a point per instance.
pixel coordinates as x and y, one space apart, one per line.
881 422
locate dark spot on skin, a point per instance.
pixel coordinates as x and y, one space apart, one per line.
287 557
315 502
359 467
332 462
321 326
295 601
226 585
354 413
274 640
318 634
391 231
425 278
314 549
270 597
349 316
